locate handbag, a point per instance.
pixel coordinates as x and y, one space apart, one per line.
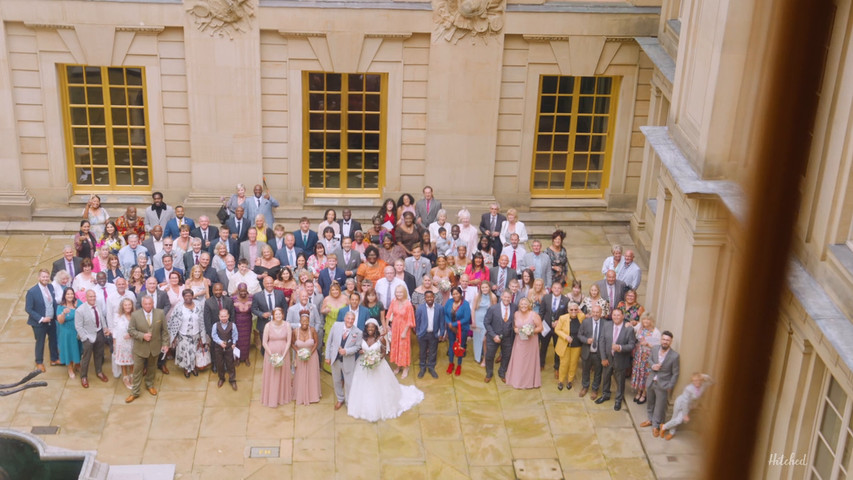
202 356
222 214
458 349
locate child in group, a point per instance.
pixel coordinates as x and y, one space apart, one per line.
443 245
684 402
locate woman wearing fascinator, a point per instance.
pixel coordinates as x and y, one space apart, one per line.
376 394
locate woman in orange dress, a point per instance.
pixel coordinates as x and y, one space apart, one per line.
373 266
402 317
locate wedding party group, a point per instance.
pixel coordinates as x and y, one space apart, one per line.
349 298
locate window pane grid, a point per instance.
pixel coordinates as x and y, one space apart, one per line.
833 436
572 139
106 127
344 139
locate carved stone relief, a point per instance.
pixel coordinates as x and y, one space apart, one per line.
222 18
475 19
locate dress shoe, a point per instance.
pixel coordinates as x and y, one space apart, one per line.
662 429
55 363
130 398
164 370
560 386
195 372
583 392
220 383
640 402
668 436
338 405
568 386
635 399
617 405
601 400
450 368
503 379
103 377
85 382
432 372
421 373
655 432
593 395
40 366
234 386
487 379
458 370
152 391
646 424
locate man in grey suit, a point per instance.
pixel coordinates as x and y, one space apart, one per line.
499 333
158 213
417 266
616 343
611 289
490 226
92 329
666 364
192 257
426 209
341 353
501 275
348 259
261 204
589 334
538 262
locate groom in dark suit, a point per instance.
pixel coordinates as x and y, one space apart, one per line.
263 304
429 328
41 312
616 344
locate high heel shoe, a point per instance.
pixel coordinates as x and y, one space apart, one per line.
195 372
187 374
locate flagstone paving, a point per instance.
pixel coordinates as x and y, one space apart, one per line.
464 428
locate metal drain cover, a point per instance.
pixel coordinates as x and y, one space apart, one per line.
46 430
264 452
538 469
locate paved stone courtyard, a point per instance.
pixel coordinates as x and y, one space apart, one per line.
463 429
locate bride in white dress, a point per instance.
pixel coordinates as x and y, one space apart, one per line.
376 394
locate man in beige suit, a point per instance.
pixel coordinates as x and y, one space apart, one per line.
150 338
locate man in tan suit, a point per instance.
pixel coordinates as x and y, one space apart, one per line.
150 337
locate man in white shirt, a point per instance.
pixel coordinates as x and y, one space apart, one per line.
630 272
127 254
244 275
429 328
515 253
115 297
387 285
537 262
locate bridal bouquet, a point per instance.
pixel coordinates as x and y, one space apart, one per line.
457 270
276 360
370 359
304 354
443 284
526 331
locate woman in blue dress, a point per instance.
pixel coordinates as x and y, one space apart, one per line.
457 314
484 299
69 346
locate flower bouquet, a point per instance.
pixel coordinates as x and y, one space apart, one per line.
370 359
526 331
276 360
443 284
304 354
457 270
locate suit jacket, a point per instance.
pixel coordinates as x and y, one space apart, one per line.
425 268
222 277
667 376
160 273
161 301
148 243
189 260
211 310
546 309
361 315
173 230
84 322
409 279
232 245
352 345
271 241
421 211
35 306
354 261
495 324
627 339
314 318
60 265
353 227
282 257
324 279
212 234
586 332
485 224
151 218
563 330
494 272
260 306
138 327
244 251
306 246
439 327
619 289
252 208
243 233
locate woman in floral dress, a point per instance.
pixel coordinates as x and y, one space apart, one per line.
647 337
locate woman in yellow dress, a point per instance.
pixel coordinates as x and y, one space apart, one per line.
330 307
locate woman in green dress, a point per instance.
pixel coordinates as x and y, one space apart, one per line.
330 307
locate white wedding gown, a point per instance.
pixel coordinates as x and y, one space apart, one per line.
376 394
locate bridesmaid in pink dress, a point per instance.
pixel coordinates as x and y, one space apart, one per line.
523 370
306 380
277 388
402 317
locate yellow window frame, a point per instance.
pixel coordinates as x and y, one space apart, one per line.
344 130
566 191
108 126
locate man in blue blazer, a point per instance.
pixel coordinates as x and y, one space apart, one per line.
41 312
305 237
361 312
239 226
429 328
287 254
231 245
162 274
173 226
330 274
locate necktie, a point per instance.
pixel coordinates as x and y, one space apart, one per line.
180 222
427 207
269 301
292 260
556 304
97 319
492 224
238 227
148 318
513 264
220 303
105 296
594 346
259 201
501 280
70 268
196 259
304 239
610 294
134 255
506 313
388 295
346 258
346 333
204 237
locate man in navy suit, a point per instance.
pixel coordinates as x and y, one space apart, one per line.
162 274
239 226
330 274
429 328
263 304
305 237
173 226
41 311
287 254
355 306
206 232
230 244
